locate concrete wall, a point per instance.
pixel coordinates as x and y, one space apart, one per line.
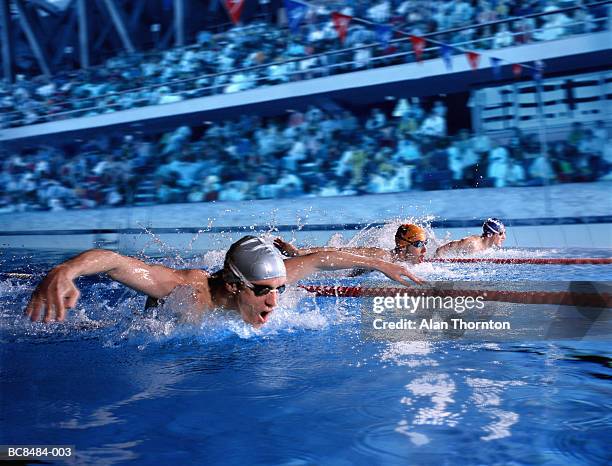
571 215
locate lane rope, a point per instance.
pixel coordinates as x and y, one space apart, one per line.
458 260
528 260
561 298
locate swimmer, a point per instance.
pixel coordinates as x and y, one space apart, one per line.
410 246
253 276
493 235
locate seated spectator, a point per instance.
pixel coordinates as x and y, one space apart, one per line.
554 26
516 173
407 151
380 12
169 191
290 182
583 22
402 180
503 37
377 120
362 57
434 125
233 191
540 171
331 189
296 154
498 165
607 163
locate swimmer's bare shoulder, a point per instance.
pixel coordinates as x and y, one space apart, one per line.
461 246
198 283
198 280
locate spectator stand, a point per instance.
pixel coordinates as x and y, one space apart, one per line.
29 102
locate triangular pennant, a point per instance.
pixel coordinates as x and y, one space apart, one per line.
295 14
496 67
234 9
517 70
418 44
341 23
383 34
473 58
447 55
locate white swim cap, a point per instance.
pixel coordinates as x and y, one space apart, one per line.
493 226
251 259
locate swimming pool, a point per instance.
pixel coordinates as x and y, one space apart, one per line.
124 386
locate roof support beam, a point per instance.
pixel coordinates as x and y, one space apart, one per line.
179 23
136 14
119 24
46 6
83 33
7 46
66 33
27 22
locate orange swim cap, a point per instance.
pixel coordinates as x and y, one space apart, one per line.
407 233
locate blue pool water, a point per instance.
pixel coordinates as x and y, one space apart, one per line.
123 386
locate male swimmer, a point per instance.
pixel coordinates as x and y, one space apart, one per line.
493 235
410 246
253 275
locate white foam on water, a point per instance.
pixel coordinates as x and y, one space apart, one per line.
487 397
440 389
408 353
416 438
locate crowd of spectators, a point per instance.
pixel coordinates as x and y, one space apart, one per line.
307 154
263 54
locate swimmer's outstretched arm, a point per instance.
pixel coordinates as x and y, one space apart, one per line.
300 267
290 250
57 292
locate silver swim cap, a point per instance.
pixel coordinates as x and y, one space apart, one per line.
251 259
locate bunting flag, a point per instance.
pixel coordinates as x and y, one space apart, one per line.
447 55
517 70
496 67
538 70
341 23
234 9
418 44
473 58
295 14
383 34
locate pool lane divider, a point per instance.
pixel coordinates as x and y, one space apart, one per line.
528 260
561 298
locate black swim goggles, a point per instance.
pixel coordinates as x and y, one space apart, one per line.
418 243
262 290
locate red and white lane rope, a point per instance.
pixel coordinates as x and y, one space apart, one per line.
529 260
565 298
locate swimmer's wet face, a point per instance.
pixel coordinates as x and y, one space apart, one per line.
255 273
411 243
499 239
495 229
254 309
414 251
